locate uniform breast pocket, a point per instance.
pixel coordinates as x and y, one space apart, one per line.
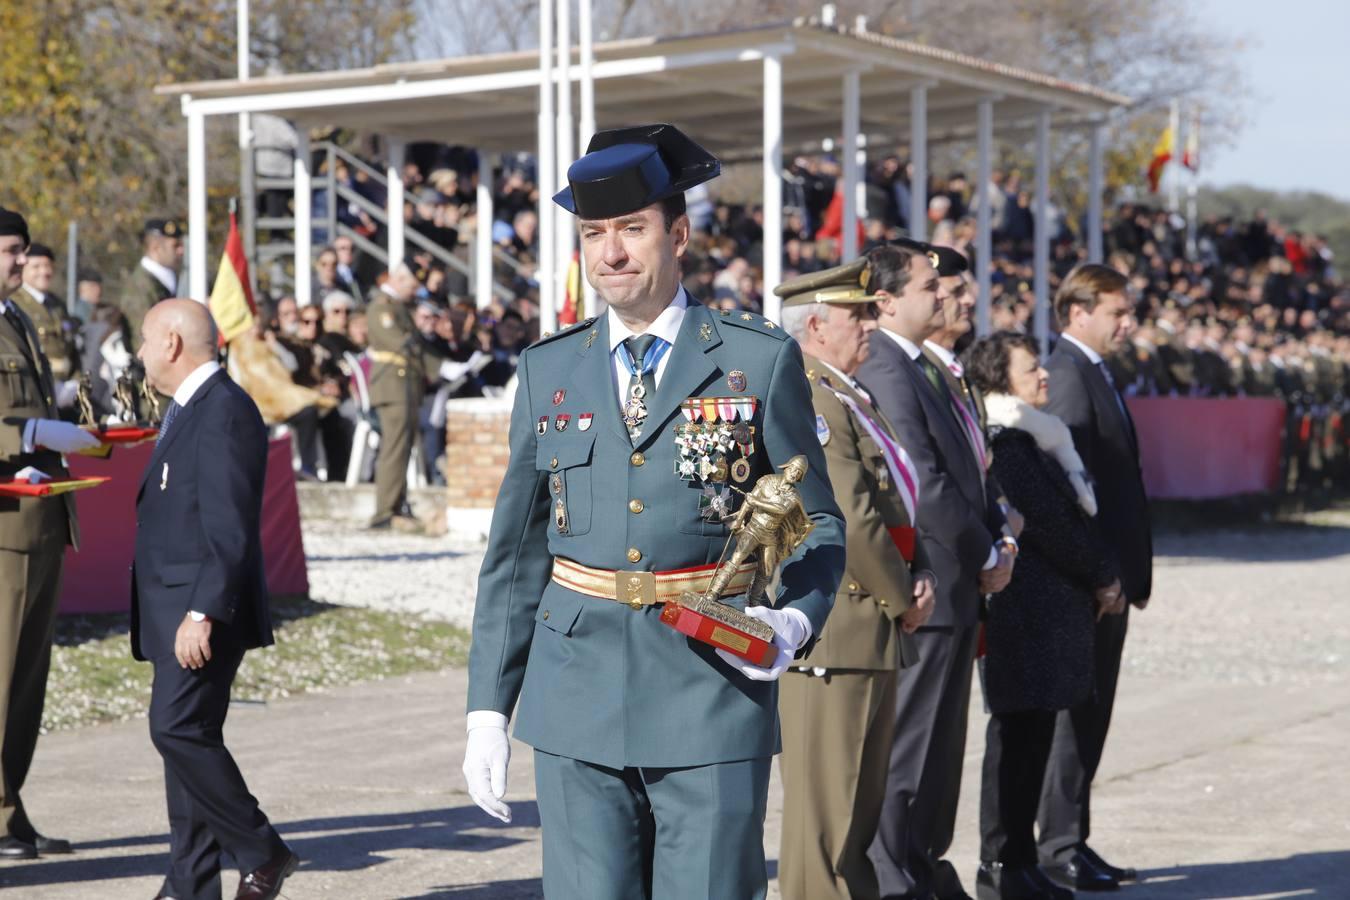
566 461
14 377
705 511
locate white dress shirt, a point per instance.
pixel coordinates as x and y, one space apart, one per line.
666 327
195 379
163 274
1093 356
948 358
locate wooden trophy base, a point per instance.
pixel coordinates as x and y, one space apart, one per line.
721 626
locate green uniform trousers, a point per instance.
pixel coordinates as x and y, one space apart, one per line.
652 833
397 421
837 731
30 588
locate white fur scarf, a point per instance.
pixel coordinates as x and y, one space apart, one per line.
1050 434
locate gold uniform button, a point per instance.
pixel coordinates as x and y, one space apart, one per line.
637 459
853 585
553 463
883 602
545 615
402 372
634 555
635 506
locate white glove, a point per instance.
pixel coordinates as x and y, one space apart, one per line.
66 392
791 629
485 760
31 475
63 437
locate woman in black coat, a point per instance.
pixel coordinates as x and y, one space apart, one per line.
1038 630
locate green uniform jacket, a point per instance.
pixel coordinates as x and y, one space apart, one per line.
29 525
140 291
596 680
877 587
401 366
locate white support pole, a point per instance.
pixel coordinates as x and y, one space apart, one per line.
1041 234
483 247
773 183
1096 188
247 174
393 202
918 155
587 39
1174 164
304 219
1192 182
546 175
984 218
565 135
197 207
849 239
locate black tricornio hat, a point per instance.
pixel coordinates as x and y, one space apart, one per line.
946 260
11 223
35 250
626 169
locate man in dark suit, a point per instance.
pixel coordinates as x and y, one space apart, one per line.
199 600
960 530
1094 315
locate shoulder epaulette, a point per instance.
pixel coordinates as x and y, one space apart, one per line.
570 329
753 322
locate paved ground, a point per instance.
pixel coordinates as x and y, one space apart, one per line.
1225 777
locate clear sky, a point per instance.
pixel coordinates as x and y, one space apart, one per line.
1298 123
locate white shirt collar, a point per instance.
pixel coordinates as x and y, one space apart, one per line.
1093 356
33 292
666 326
948 358
196 378
911 349
163 274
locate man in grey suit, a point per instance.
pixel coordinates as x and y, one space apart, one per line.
960 529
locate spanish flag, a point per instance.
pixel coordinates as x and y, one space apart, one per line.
231 301
1190 157
573 308
1162 155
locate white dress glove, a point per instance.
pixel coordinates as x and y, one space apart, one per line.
63 437
791 629
67 392
485 760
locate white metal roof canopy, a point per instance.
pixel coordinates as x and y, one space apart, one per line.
750 92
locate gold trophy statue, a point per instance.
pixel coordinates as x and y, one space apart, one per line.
771 523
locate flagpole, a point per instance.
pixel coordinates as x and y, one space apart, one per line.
1192 158
1173 186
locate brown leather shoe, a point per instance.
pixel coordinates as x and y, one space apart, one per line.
264 883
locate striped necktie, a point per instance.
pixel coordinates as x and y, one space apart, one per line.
169 415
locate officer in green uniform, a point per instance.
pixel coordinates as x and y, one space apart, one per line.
838 712
47 312
633 438
155 277
403 364
34 533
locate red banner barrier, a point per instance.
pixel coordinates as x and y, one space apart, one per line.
1203 449
98 578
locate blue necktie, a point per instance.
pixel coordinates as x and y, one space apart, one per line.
169 415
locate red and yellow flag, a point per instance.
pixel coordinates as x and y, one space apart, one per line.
1190 157
231 301
573 308
1162 155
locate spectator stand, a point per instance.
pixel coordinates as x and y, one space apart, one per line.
794 78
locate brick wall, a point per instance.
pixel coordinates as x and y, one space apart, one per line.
476 450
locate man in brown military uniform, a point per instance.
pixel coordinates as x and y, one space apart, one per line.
33 537
402 367
155 277
48 314
838 716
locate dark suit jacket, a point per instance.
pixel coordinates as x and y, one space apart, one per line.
957 523
1105 439
198 546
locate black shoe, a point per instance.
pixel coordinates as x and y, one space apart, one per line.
50 846
995 881
13 848
1102 865
380 524
1077 874
1052 891
265 883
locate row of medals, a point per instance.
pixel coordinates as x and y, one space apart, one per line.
714 428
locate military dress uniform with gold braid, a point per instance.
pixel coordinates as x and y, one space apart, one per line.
837 715
652 753
398 381
33 537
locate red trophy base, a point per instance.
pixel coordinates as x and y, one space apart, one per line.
718 625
